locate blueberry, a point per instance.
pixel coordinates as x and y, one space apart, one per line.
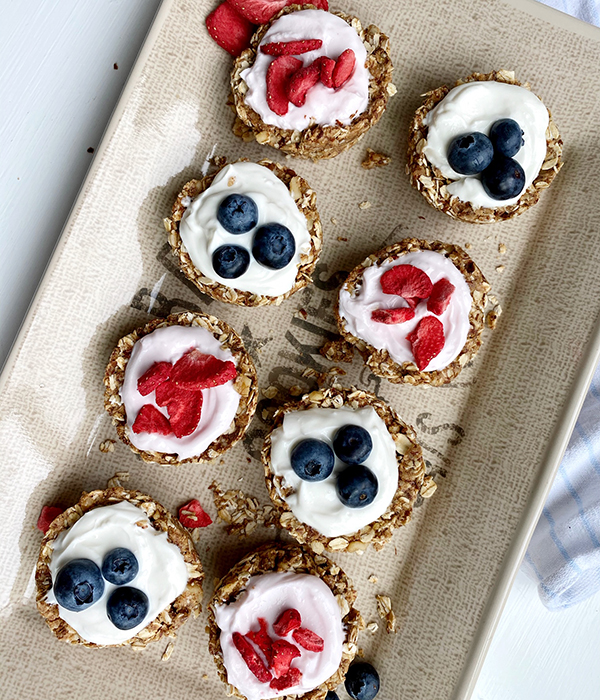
504 179
506 137
120 566
273 246
312 460
237 213
352 444
362 681
470 154
357 486
230 261
331 695
78 585
127 607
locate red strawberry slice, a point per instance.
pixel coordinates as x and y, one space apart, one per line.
320 4
185 412
231 30
251 657
288 620
195 371
344 68
259 11
427 340
291 678
440 296
192 515
408 282
308 639
151 420
301 82
47 515
391 316
168 392
262 640
291 48
283 653
278 76
155 376
327 66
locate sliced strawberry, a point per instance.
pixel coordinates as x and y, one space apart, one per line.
440 296
291 48
185 412
320 4
195 371
427 341
301 82
262 640
155 376
327 66
151 420
407 282
278 76
391 316
412 301
229 28
251 657
282 655
192 515
291 678
288 620
167 392
308 639
259 11
47 515
344 67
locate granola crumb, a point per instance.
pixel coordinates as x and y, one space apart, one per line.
372 627
116 480
231 181
429 487
301 313
205 676
373 579
501 248
168 651
492 317
334 221
107 446
270 392
364 205
115 66
373 159
384 608
338 350
468 246
499 268
342 239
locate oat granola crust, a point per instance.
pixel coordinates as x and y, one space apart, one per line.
411 474
245 384
428 180
172 617
288 557
316 142
379 361
306 201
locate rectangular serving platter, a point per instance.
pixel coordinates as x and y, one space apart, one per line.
492 439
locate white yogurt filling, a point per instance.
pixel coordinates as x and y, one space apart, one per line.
356 309
93 536
324 106
219 404
316 503
202 233
267 596
475 107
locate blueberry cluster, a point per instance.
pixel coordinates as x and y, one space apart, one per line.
313 460
273 245
492 157
80 584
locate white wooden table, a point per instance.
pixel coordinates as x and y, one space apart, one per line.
62 66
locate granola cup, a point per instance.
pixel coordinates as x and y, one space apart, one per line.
379 361
280 558
316 142
172 617
412 480
245 384
428 180
305 199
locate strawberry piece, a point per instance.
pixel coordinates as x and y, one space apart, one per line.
412 301
320 4
262 640
408 282
195 371
154 377
230 29
308 639
327 66
427 341
278 75
283 653
391 316
151 420
47 515
291 48
259 11
301 82
192 515
288 620
185 412
291 678
168 392
440 296
251 657
344 67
